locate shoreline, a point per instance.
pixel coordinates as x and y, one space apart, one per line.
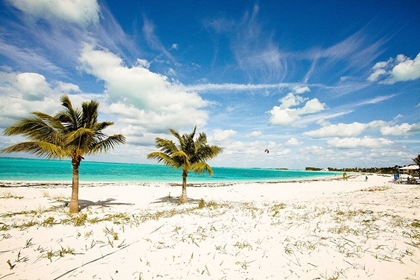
84 183
317 229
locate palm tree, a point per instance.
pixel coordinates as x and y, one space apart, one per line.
71 133
189 154
417 161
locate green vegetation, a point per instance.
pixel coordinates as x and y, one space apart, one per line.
71 133
188 155
377 170
10 195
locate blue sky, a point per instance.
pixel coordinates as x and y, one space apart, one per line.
318 83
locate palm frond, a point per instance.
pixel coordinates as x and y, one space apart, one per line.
201 167
71 118
52 121
90 113
206 153
42 149
102 125
164 158
78 136
166 146
107 144
175 133
417 160
181 158
35 129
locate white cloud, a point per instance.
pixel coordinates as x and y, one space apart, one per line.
222 135
415 128
22 93
291 100
301 89
284 152
339 130
312 150
400 69
81 12
255 133
344 130
292 142
312 106
352 142
150 98
396 130
376 74
285 115
32 85
29 86
68 87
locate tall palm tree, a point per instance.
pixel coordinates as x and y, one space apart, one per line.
71 133
189 155
417 161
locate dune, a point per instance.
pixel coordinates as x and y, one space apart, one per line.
319 229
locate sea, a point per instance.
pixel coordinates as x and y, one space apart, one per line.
22 169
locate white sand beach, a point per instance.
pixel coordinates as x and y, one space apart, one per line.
323 229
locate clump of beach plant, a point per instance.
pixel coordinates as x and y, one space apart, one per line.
79 219
9 195
210 204
376 189
48 222
59 253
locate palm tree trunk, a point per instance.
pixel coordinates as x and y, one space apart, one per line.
74 201
183 198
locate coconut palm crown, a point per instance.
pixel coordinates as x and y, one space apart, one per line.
188 155
71 133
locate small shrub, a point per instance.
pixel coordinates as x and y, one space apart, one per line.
80 220
48 222
415 224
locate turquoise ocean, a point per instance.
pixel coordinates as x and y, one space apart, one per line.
20 169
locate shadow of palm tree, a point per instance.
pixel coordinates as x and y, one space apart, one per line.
174 200
104 203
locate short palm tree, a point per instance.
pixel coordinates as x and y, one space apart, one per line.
189 155
417 161
71 133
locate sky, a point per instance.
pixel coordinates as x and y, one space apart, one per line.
317 83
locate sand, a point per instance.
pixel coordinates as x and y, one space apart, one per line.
323 229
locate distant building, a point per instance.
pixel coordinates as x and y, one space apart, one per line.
408 169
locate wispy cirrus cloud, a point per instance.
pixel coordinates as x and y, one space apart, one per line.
153 41
264 58
28 59
255 51
354 54
52 40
